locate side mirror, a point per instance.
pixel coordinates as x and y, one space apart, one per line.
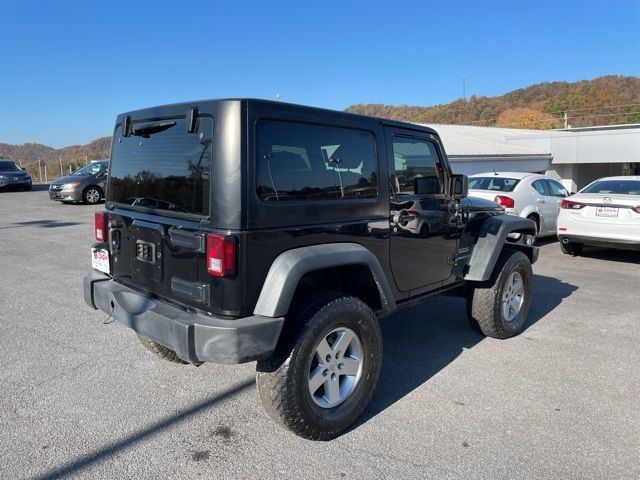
459 186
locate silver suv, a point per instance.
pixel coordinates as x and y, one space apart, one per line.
84 185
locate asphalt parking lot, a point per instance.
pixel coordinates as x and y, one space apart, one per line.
83 399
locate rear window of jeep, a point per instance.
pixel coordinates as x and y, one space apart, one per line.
161 166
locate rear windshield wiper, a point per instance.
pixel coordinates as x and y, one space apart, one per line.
149 130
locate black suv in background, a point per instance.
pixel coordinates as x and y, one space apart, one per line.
13 177
240 230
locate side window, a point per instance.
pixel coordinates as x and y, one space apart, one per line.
557 190
296 161
541 187
417 168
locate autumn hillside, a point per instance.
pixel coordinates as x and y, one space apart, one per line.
32 152
606 100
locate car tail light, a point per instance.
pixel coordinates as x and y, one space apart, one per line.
100 224
221 255
636 208
506 202
568 204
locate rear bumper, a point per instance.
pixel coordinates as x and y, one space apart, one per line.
624 244
195 337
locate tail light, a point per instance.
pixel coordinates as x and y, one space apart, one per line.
506 202
221 255
100 224
569 205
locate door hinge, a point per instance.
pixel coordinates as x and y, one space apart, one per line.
455 257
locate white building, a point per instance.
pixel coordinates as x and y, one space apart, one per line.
576 156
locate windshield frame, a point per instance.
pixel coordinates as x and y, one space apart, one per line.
10 162
103 167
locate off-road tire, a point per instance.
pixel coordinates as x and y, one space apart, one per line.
89 197
484 298
282 379
573 249
161 351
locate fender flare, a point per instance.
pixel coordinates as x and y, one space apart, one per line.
290 266
491 241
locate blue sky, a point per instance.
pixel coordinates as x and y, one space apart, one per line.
68 68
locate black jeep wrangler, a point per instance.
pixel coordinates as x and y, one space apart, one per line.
240 230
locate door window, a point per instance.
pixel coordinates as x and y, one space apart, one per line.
541 187
417 168
557 190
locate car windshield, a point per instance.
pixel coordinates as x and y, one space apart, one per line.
90 169
9 167
624 187
498 184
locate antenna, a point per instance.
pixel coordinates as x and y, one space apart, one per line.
494 169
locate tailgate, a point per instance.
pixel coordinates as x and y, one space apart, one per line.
158 199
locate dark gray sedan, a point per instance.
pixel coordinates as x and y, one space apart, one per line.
84 185
13 177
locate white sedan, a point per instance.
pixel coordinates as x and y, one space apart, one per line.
605 213
528 195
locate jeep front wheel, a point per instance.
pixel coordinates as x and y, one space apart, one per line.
325 368
498 307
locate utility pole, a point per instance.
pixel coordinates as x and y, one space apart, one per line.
464 88
86 158
566 120
39 170
60 159
46 179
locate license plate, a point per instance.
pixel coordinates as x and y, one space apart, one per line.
610 212
100 259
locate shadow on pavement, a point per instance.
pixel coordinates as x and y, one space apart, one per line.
42 224
627 256
421 341
153 429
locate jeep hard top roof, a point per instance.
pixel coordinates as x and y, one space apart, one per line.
322 114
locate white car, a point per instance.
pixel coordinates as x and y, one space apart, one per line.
605 213
528 195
